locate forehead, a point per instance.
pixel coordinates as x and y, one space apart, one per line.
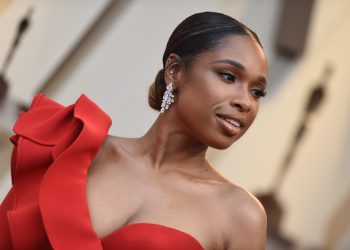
242 49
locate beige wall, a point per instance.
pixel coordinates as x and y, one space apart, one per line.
55 27
118 61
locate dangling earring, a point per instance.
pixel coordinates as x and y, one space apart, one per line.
168 98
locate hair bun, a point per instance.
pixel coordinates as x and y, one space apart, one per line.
156 90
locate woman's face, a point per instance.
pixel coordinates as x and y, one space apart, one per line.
218 95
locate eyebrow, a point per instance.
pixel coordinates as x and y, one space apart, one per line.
239 66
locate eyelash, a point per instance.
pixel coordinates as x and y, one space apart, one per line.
257 92
224 73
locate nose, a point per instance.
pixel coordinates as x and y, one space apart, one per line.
241 100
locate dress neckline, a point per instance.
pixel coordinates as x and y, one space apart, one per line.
149 225
76 133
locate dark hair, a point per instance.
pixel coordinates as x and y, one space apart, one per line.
194 35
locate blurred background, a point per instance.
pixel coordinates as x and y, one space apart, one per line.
296 156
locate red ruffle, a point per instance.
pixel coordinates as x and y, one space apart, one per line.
53 148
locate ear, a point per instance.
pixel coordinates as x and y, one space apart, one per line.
173 68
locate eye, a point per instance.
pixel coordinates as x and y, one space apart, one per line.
258 93
228 76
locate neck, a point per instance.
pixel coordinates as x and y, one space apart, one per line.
168 145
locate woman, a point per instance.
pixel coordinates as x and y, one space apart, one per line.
75 187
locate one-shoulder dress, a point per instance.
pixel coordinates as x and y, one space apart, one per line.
46 207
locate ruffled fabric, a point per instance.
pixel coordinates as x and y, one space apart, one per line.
46 207
54 145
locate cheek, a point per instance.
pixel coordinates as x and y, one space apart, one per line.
196 105
204 90
255 109
253 113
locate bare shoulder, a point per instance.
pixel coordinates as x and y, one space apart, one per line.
246 220
111 151
107 152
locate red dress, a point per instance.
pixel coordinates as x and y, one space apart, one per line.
46 207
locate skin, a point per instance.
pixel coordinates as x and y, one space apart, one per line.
164 177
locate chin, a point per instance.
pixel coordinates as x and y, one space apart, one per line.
221 145
225 141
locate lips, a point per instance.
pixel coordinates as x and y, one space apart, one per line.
233 122
230 124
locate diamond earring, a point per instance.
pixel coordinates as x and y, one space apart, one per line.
168 98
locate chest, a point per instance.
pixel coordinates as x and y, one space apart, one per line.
120 196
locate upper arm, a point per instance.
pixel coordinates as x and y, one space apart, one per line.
247 229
